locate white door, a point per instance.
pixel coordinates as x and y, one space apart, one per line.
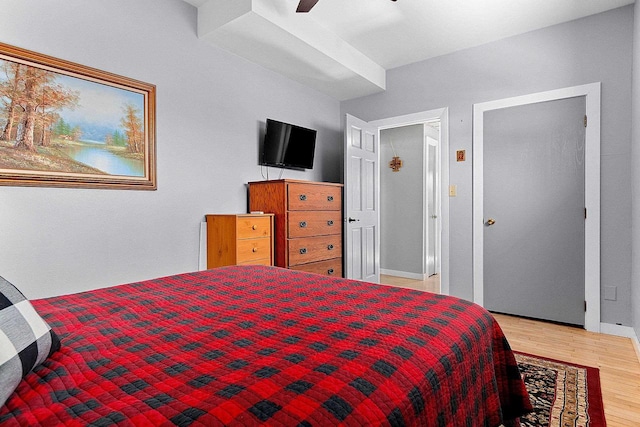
362 204
534 210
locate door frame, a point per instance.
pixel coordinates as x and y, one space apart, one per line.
591 92
438 200
441 114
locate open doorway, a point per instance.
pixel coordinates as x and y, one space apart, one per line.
410 199
362 243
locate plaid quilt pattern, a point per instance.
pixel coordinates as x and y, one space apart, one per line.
267 346
25 339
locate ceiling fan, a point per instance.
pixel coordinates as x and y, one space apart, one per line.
305 5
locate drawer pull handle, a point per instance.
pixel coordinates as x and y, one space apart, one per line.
303 224
254 227
303 251
255 249
303 197
329 223
330 198
330 271
330 247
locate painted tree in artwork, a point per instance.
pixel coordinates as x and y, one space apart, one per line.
133 128
50 99
9 90
76 133
118 139
32 97
62 128
33 79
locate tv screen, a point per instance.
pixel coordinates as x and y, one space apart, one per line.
288 146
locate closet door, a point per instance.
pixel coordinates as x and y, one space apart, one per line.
534 210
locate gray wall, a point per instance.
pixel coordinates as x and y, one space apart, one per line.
596 48
402 200
635 162
211 108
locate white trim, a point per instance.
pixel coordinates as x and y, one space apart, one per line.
441 114
425 203
592 190
431 138
618 330
404 274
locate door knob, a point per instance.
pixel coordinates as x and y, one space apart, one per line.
353 219
491 221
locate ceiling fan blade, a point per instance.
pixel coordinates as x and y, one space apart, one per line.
306 5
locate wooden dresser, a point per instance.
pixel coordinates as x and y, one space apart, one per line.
308 223
239 239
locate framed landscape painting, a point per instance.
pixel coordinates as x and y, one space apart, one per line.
67 125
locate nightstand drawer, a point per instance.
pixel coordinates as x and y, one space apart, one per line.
263 261
312 249
314 223
310 197
253 249
248 227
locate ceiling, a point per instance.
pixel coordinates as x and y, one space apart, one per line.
344 47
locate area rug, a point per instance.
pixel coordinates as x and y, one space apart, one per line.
562 394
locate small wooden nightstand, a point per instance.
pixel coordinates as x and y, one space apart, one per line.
239 239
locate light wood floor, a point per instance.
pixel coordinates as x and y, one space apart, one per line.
614 356
431 284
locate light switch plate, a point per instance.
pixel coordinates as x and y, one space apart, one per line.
453 190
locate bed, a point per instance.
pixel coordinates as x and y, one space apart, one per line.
248 345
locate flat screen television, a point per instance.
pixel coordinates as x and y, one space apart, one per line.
288 146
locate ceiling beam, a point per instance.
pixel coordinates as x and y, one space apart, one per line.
291 44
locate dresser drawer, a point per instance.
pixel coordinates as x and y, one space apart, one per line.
312 249
248 227
253 249
331 267
314 223
310 197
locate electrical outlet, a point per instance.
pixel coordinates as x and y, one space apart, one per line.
453 190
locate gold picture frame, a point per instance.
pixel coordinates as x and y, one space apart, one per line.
67 125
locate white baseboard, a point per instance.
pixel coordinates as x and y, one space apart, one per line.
405 274
618 330
622 331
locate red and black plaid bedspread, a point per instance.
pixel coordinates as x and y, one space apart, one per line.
252 345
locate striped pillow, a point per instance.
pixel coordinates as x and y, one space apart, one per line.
26 340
